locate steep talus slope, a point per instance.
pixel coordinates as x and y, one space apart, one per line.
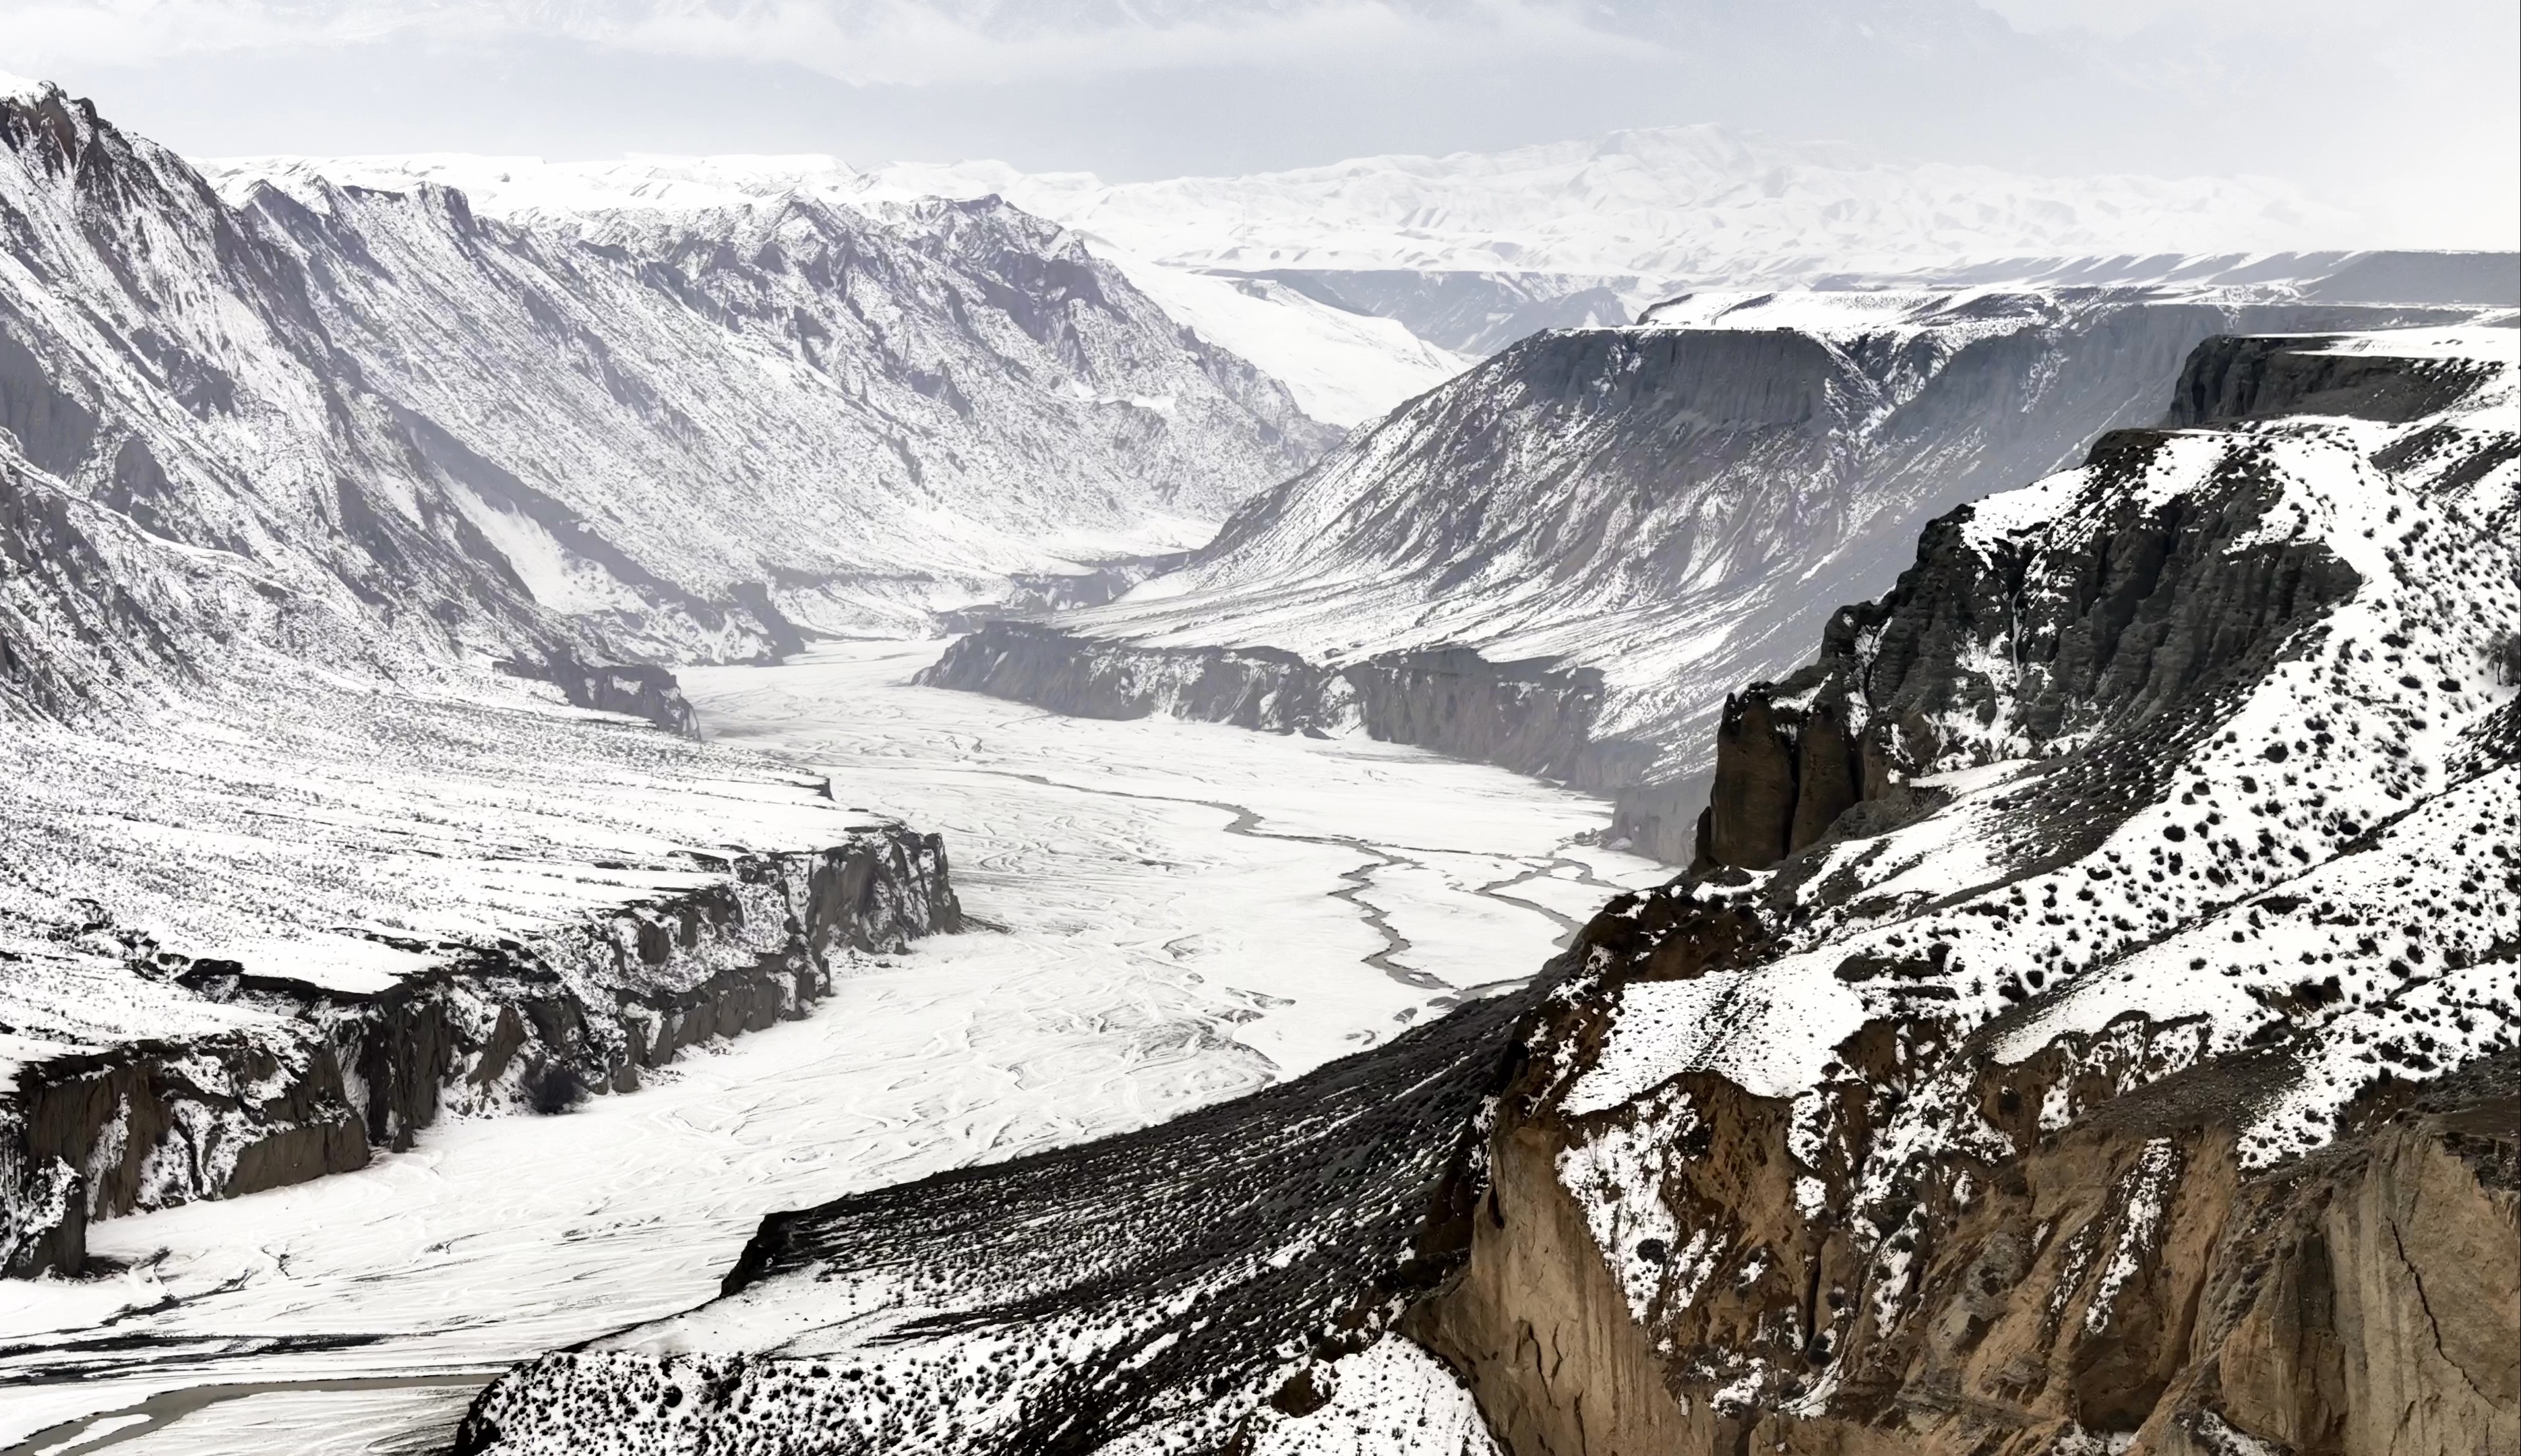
2126 1065
1038 1305
1560 562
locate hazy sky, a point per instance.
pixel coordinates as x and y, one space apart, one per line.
2407 110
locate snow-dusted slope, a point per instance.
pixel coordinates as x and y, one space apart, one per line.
685 435
2142 1002
1342 366
2157 832
1640 518
245 940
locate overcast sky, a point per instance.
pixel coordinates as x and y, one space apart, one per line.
2407 112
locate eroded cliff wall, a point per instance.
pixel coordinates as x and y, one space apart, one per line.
320 1079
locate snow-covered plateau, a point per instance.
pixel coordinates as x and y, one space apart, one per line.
2088 1025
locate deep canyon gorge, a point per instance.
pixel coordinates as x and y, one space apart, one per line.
1680 796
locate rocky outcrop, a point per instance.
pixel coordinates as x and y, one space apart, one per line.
2238 379
2118 1283
509 1026
640 690
1533 717
2151 613
1985 1088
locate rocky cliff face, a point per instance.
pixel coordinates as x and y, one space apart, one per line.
2051 1045
1532 717
2089 1031
1635 520
308 1078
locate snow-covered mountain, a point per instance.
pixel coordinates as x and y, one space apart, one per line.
327 519
2089 1026
688 435
1691 202
1341 365
1563 560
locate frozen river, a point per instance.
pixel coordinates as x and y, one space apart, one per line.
1171 913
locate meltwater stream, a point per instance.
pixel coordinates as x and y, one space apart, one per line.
1177 912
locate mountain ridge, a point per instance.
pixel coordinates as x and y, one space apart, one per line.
2082 1086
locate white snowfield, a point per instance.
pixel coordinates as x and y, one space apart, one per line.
1176 914
1679 202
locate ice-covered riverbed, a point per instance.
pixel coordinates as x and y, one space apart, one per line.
1180 912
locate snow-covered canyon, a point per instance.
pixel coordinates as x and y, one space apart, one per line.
1165 914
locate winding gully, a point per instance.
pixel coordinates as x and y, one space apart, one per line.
1173 913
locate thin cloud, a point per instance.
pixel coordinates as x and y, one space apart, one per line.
888 42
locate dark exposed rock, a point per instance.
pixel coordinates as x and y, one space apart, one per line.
53 429
1527 716
147 1126
2228 380
1290 1219
638 689
2160 608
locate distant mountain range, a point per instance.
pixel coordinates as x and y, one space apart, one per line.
1675 203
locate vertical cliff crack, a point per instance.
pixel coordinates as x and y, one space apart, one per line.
2433 1326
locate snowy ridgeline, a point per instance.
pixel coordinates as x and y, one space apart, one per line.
378 428
1641 518
2178 823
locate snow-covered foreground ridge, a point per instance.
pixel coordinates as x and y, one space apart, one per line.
1563 560
2100 973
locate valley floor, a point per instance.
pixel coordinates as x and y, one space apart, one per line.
1170 914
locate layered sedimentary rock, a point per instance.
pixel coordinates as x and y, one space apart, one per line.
1532 717
1611 528
2054 1048
2125 1064
308 1078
